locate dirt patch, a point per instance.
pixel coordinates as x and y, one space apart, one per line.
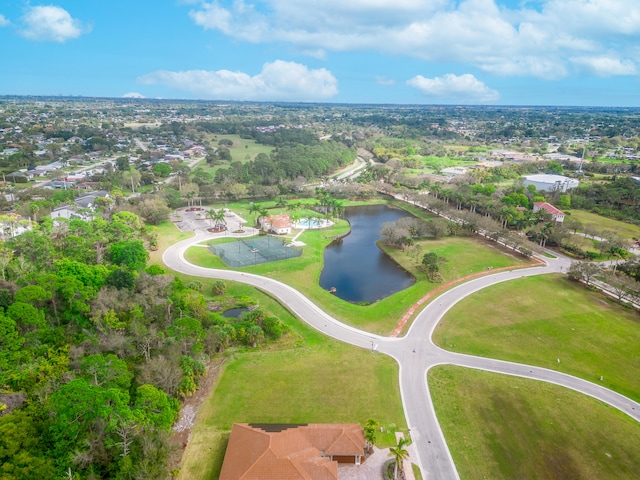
11 401
186 420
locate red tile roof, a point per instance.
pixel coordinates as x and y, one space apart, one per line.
549 208
280 221
289 452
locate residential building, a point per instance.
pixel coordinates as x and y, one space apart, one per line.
278 224
292 452
557 215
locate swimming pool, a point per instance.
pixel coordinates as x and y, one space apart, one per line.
311 223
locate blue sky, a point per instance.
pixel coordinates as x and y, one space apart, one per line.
498 52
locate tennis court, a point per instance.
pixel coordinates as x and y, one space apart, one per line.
254 250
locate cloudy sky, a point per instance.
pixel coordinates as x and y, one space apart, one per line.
499 52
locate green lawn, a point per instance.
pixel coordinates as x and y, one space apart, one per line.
323 381
538 320
243 151
599 223
501 427
167 235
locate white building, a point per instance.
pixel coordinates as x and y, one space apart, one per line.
279 224
453 171
556 215
551 183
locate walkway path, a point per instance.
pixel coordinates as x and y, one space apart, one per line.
415 353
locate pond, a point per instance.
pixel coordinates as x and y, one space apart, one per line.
234 312
358 270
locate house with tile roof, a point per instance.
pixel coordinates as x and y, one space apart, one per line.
291 452
557 215
278 224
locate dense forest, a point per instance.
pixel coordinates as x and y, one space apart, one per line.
298 153
97 349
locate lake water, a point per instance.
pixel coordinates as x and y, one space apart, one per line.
356 267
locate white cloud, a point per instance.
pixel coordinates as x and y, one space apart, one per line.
455 88
384 81
605 66
133 95
4 21
51 23
278 81
537 39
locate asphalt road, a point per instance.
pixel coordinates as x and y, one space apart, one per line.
415 353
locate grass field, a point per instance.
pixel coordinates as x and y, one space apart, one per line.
243 151
321 381
167 235
502 427
599 223
538 320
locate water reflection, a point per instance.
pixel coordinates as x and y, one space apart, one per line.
356 267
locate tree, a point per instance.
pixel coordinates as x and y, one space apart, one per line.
211 213
399 454
153 210
219 218
254 334
255 208
131 254
370 431
218 287
162 169
188 331
121 278
10 345
281 202
154 408
21 449
584 271
26 316
106 371
224 153
122 163
622 285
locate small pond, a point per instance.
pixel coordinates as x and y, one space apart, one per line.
356 267
234 312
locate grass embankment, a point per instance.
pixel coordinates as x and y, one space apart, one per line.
503 427
538 320
599 223
464 256
167 235
305 378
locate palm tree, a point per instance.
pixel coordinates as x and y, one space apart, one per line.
281 202
399 454
263 212
219 218
255 208
338 208
212 215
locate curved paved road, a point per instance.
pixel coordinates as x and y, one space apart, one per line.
415 353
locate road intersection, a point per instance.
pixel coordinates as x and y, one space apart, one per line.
415 352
